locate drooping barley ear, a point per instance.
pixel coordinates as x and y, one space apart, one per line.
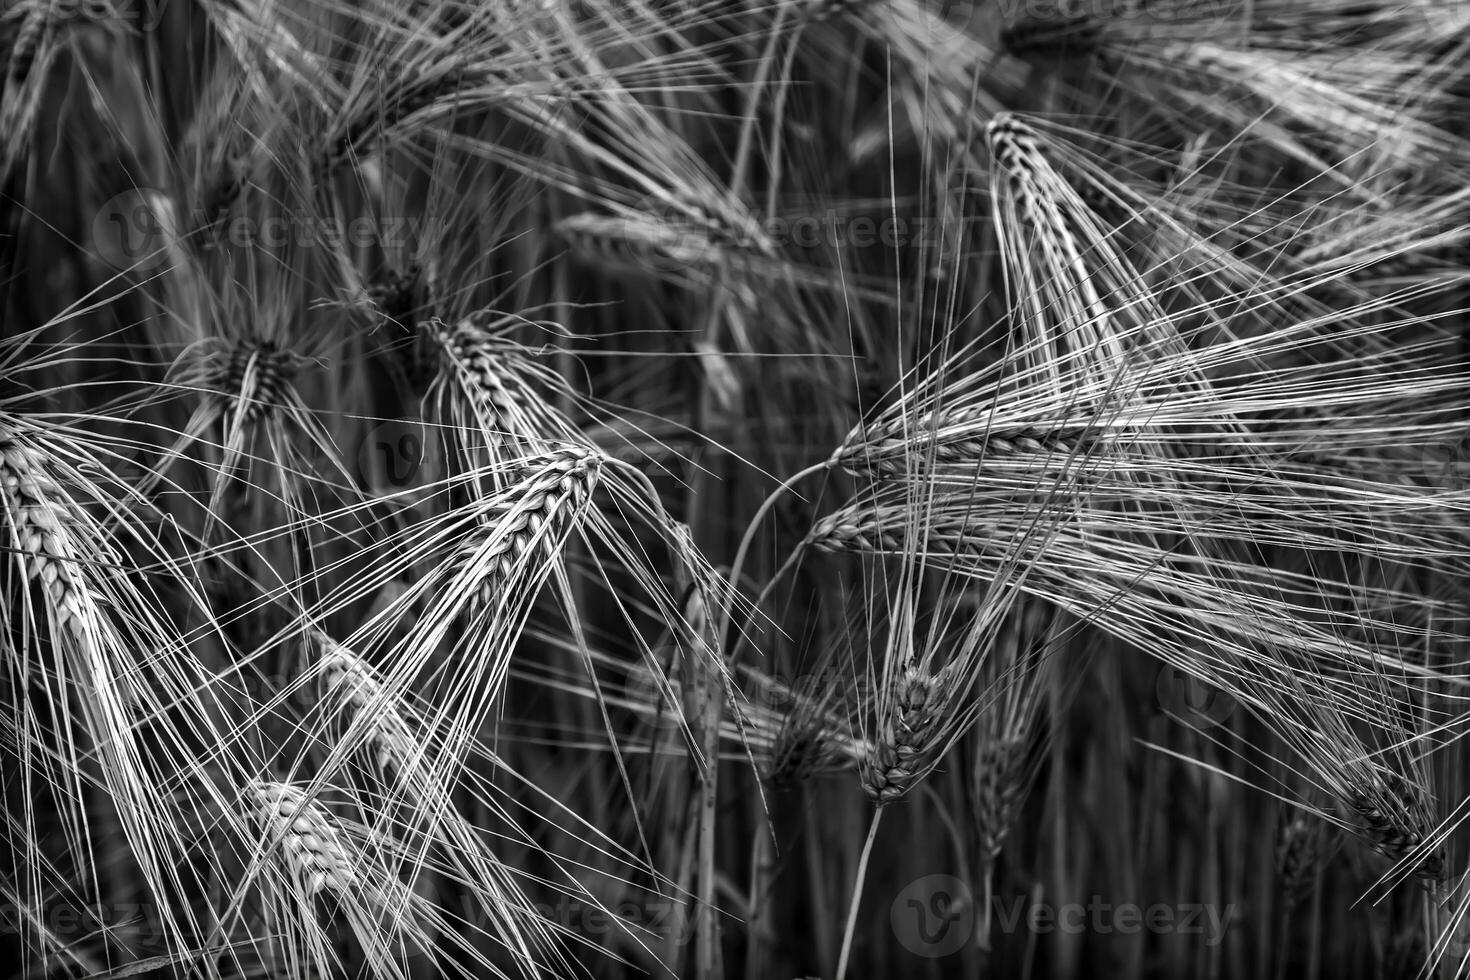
249 376
1061 302
904 749
26 65
1395 821
1005 760
1080 298
853 529
500 382
35 509
804 727
314 851
642 244
804 746
534 516
1301 845
324 856
889 451
884 529
478 357
257 374
1019 158
37 21
398 292
1000 770
809 727
356 689
793 753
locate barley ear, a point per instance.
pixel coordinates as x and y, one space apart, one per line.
905 748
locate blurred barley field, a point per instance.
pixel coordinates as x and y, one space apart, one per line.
764 489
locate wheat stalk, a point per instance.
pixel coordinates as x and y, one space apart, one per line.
26 64
1395 821
904 749
888 450
1082 305
547 492
346 677
999 766
488 367
254 377
36 22
1300 854
808 736
83 713
325 856
316 853
642 242
37 515
1010 699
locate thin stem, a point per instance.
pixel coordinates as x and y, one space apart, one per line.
857 893
745 542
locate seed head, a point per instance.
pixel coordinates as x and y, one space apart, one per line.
535 513
360 690
313 848
1395 818
904 750
34 506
